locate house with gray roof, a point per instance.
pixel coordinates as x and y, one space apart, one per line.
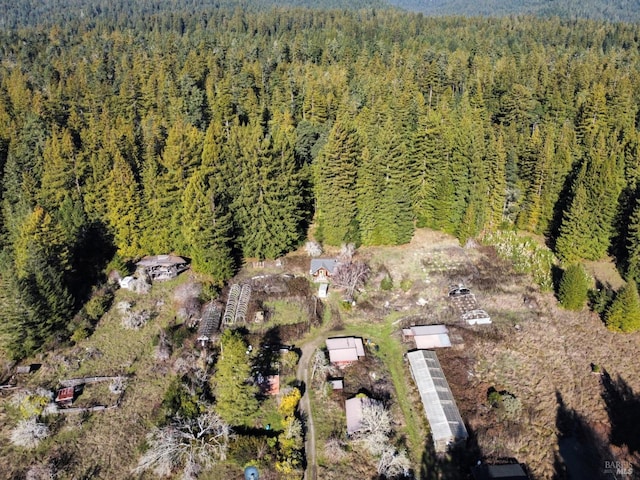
322 269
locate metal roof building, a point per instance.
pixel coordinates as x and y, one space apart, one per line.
428 336
444 418
343 350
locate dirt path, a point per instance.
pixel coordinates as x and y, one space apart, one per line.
302 374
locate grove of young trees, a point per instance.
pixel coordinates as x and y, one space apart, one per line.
222 136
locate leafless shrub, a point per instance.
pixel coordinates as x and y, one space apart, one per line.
351 276
393 463
321 367
187 363
334 450
141 285
41 472
123 307
189 310
29 433
191 444
187 297
135 320
187 291
347 251
313 249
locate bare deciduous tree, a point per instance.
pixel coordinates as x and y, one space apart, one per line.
334 450
351 276
313 249
321 366
347 251
375 427
46 471
29 433
393 463
190 444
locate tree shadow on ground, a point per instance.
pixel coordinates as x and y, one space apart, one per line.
582 452
455 464
623 407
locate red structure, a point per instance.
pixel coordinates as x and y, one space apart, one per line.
65 396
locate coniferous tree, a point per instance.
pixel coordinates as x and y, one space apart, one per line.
124 210
165 185
633 244
59 178
431 155
496 184
574 287
235 394
207 230
335 178
624 313
269 206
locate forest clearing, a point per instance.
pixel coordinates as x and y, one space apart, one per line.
538 353
226 229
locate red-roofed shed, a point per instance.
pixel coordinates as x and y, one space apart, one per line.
65 396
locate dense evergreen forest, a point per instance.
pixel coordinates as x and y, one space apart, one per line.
611 10
224 136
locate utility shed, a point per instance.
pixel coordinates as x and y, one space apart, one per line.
428 336
353 411
65 396
512 471
345 350
440 407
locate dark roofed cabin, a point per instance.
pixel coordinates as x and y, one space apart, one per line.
163 267
511 471
322 269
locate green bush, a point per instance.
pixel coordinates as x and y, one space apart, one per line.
574 288
508 406
98 304
118 264
527 255
177 401
79 334
406 284
386 284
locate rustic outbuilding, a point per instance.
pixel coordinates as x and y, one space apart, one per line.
65 396
162 267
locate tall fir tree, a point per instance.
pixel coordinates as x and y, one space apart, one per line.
633 245
269 207
335 179
207 230
497 181
124 210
